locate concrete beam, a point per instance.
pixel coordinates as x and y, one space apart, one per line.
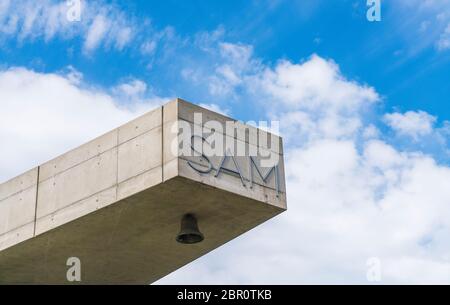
116 202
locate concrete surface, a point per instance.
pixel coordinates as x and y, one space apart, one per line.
117 201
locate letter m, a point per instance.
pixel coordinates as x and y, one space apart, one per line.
265 177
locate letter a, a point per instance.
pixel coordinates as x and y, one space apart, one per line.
374 11
74 272
74 10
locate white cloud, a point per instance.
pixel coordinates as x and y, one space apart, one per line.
239 54
236 63
344 208
96 32
74 76
148 47
134 87
226 71
444 40
124 36
378 154
44 115
422 25
315 84
351 196
412 123
370 132
100 25
313 100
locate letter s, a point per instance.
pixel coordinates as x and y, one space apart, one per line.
210 167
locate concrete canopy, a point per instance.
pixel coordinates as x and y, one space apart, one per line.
116 202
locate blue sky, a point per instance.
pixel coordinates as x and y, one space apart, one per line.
384 54
372 97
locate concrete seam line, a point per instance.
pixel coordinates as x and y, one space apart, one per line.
36 201
117 163
16 228
101 191
17 193
162 144
90 158
78 201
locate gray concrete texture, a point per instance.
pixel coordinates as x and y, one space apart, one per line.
117 201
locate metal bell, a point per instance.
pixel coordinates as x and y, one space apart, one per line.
189 232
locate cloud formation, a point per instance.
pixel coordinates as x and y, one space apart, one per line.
412 123
99 24
351 195
44 115
444 40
